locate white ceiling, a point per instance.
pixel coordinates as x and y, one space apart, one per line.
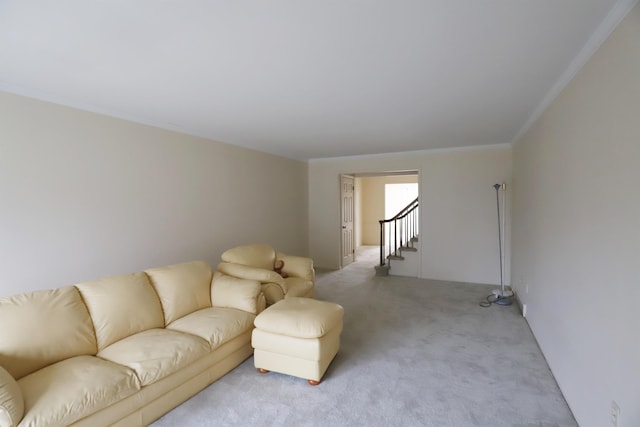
305 78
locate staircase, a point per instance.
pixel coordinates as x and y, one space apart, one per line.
408 262
398 243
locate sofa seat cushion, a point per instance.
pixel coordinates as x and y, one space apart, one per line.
156 353
67 391
298 287
215 325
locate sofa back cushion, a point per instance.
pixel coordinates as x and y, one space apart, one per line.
257 255
40 328
241 294
182 288
121 306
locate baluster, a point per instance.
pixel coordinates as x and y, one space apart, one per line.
382 262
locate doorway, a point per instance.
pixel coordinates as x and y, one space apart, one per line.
365 193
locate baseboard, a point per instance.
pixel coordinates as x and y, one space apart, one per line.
521 306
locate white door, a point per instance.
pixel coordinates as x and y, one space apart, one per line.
347 212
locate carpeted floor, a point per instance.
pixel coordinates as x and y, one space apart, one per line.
413 353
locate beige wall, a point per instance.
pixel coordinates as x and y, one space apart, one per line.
576 240
458 233
85 196
373 202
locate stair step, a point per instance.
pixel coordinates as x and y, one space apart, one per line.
382 270
409 267
408 248
398 257
414 239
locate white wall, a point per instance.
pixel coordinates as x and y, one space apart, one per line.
373 202
576 239
458 232
84 196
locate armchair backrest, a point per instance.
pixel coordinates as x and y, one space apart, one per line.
257 255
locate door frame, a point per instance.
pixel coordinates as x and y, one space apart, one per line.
368 174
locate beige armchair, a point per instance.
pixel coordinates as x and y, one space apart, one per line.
258 262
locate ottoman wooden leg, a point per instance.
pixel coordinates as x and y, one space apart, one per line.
262 371
313 382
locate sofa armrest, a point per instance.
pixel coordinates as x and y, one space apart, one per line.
297 266
11 400
241 294
252 273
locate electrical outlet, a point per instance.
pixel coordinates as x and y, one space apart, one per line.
615 413
524 310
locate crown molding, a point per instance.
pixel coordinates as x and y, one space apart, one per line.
63 101
412 153
617 13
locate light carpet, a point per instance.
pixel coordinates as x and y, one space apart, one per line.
413 353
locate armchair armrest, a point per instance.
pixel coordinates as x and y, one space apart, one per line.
11 400
298 266
241 294
252 273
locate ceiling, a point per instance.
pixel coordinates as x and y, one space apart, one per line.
305 79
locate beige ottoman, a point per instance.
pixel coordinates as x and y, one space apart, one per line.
297 336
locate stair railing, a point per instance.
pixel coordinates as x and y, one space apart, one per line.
398 231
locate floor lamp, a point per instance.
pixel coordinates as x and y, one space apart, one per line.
503 297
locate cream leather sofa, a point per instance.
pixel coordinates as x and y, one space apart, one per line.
122 350
257 261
